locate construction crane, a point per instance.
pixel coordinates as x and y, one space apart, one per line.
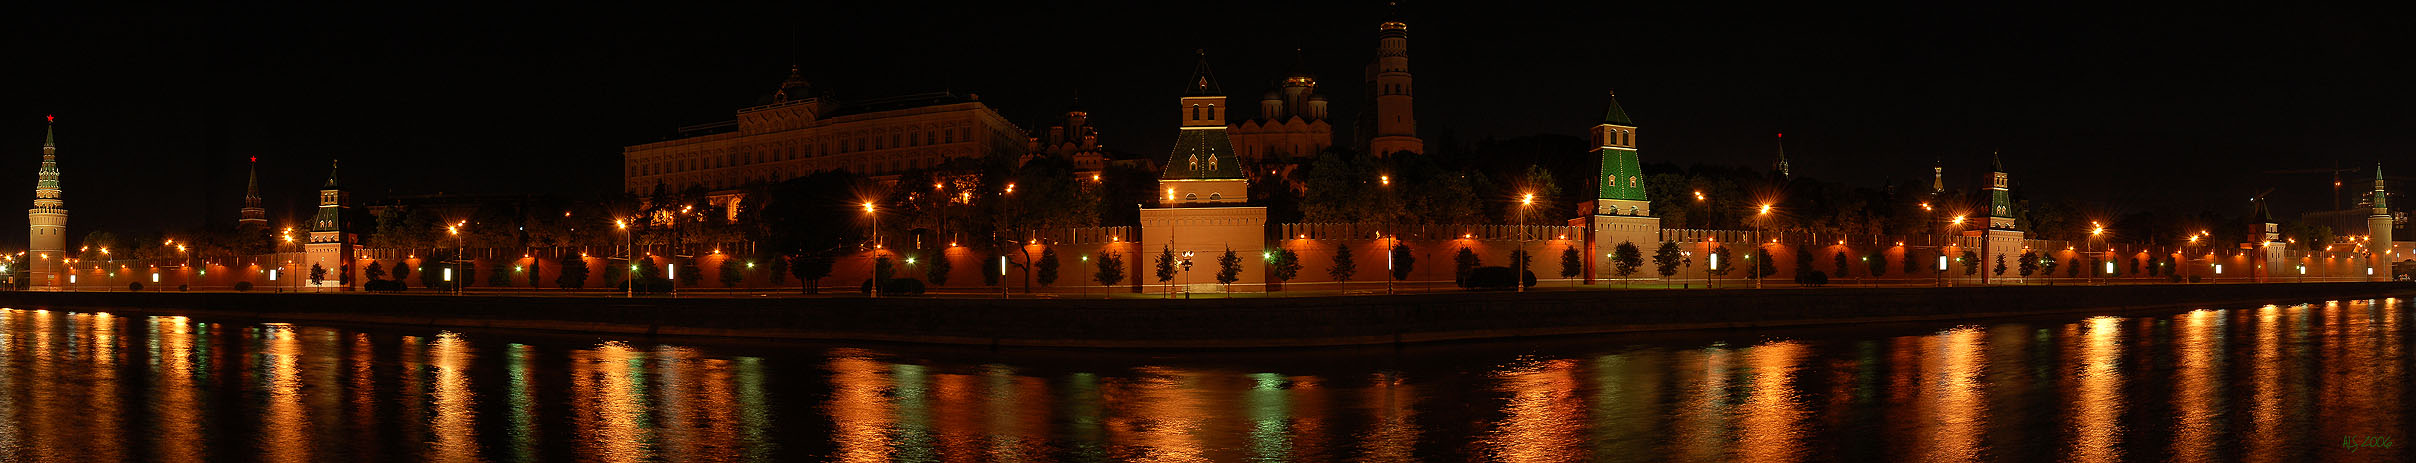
2336 172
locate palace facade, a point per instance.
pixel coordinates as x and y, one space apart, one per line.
795 133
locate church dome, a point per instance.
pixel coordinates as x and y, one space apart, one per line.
793 88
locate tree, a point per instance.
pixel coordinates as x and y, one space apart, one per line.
1572 262
1766 266
1284 265
883 270
2030 263
1343 268
573 274
1719 255
402 274
1047 266
1878 264
2000 267
1403 261
1910 265
1843 263
1667 258
811 268
1111 269
1971 263
937 270
318 275
732 272
1625 259
375 272
2047 264
2073 270
1228 270
1464 261
435 278
533 273
1165 269
691 277
1803 264
779 273
497 275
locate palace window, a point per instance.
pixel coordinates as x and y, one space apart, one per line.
1191 196
1213 197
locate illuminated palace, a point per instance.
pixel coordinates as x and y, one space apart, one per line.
795 132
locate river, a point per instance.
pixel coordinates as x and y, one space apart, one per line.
2323 381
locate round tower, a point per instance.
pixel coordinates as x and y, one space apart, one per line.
48 217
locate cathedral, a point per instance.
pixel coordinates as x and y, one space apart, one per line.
1291 122
1294 119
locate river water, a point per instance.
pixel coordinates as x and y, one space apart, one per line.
2324 381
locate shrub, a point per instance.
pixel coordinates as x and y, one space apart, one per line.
135 286
649 285
1816 278
1498 278
895 286
243 286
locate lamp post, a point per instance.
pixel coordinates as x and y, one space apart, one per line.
1389 242
630 240
1518 277
2097 233
874 213
1760 219
1187 274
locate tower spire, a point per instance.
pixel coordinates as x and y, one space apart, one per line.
252 214
331 174
48 218
1783 172
1937 180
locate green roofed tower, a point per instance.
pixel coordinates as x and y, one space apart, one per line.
2000 195
1202 170
1622 211
1621 179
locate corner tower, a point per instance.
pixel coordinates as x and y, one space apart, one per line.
330 246
2001 239
48 218
1389 126
253 216
2265 238
1202 208
1622 211
2378 233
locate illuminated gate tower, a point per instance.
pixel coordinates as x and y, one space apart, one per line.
2265 241
48 217
330 246
2001 240
1622 212
1203 195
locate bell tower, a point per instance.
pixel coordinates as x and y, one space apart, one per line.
1389 125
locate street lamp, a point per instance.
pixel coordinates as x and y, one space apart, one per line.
874 213
628 282
1759 220
1518 278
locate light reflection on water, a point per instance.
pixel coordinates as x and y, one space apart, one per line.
2272 383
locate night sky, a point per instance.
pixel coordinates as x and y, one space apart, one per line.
2162 108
